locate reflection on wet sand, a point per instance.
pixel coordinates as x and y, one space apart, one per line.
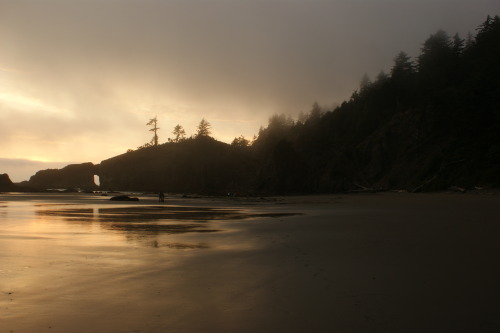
150 213
144 222
391 262
3 209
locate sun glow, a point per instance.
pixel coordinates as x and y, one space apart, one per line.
44 159
28 104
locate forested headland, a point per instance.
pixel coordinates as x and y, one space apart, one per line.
432 122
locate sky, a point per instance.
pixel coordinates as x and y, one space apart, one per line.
79 79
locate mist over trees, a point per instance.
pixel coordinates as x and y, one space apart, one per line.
431 123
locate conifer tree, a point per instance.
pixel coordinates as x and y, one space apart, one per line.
154 123
403 66
179 133
203 129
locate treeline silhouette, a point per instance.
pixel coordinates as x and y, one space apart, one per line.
431 123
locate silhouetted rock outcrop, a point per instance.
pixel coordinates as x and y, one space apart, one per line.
201 165
5 183
123 198
71 176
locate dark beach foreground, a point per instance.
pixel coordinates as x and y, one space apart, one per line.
390 262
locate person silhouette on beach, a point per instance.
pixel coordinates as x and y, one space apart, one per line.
161 197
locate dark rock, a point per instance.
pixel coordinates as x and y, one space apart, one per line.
5 183
123 198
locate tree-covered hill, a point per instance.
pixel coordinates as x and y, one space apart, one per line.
431 124
195 165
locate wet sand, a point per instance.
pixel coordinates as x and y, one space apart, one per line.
389 262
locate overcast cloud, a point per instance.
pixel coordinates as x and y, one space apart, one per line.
80 79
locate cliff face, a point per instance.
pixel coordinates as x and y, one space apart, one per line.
71 176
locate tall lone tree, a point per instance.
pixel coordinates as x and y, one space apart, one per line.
154 123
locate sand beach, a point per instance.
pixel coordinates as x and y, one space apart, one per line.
385 262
